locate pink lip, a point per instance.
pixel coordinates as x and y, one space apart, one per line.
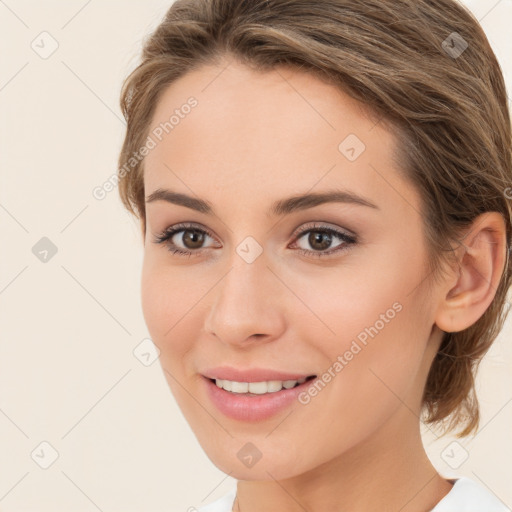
252 408
251 375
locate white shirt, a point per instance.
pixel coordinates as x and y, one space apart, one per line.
466 496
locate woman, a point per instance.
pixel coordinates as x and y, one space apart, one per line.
322 191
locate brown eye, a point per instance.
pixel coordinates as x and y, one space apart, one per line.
188 240
184 239
320 239
192 238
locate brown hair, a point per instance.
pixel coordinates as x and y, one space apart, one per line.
446 104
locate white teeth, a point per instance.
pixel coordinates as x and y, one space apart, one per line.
258 388
240 387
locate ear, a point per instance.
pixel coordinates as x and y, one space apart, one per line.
473 284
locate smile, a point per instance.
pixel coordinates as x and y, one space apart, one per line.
254 401
258 388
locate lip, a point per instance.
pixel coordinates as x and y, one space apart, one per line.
247 408
251 374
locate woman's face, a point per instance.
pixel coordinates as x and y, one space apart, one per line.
269 287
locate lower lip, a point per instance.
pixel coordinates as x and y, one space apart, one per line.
253 408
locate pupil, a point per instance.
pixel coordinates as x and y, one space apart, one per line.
317 237
194 237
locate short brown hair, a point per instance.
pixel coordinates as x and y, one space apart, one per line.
408 63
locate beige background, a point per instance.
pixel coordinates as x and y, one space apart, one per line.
69 326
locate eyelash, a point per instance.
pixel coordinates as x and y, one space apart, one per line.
165 236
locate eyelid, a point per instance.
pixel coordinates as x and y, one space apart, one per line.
349 239
322 225
170 231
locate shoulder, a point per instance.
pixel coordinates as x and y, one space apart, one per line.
222 504
467 495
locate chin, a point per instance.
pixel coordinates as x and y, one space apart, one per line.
254 457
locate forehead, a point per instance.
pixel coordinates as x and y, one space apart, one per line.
249 133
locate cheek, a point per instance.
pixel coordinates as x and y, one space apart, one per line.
372 368
377 332
172 302
170 305
155 302
163 306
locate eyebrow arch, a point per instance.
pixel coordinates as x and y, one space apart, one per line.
279 208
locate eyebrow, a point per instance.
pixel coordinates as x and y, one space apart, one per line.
278 208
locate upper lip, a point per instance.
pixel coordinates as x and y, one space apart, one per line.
251 374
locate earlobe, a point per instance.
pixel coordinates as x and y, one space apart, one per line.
481 265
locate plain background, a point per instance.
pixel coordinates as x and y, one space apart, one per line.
70 324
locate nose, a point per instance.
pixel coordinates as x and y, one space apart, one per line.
247 305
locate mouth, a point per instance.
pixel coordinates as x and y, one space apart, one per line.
258 388
256 393
257 400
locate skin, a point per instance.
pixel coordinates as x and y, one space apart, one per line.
252 139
